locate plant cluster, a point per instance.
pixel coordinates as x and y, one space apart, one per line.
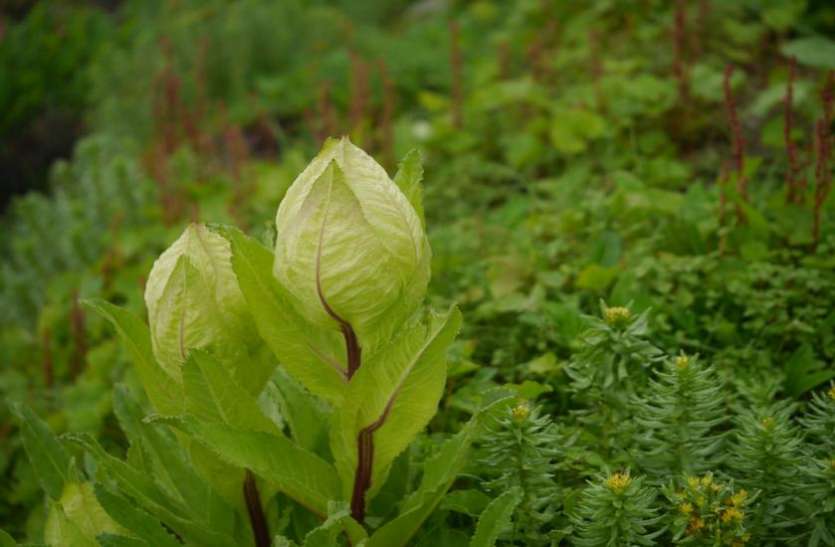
630 203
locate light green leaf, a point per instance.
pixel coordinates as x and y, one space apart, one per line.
408 178
496 518
61 530
6 540
50 461
312 356
212 395
307 417
300 474
140 485
468 502
134 519
78 517
337 522
439 473
399 389
165 394
170 464
112 540
816 51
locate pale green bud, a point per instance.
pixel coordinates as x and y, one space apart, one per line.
194 300
350 247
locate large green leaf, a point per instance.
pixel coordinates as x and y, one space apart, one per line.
141 486
212 395
306 415
398 389
6 540
164 393
137 521
78 518
496 518
338 521
313 356
438 474
52 464
300 474
61 530
113 540
170 463
816 51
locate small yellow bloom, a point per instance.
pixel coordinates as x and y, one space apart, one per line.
700 501
696 524
738 499
693 482
617 316
831 392
767 422
686 508
618 482
682 361
707 480
521 412
732 514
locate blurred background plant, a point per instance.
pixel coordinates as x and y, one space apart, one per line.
670 159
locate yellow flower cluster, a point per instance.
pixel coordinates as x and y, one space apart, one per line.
831 392
617 316
732 514
710 508
521 412
618 482
682 361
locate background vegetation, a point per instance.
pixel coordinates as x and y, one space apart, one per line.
628 200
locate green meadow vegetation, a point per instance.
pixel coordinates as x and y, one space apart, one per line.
325 273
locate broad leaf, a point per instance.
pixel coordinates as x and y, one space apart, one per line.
50 461
300 474
137 521
170 463
212 395
148 494
307 416
496 518
78 518
61 530
438 474
398 389
337 523
113 540
313 356
165 394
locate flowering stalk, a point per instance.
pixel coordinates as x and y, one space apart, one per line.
794 184
737 141
823 173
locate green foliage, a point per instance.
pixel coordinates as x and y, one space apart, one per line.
617 510
576 153
765 457
681 419
518 453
